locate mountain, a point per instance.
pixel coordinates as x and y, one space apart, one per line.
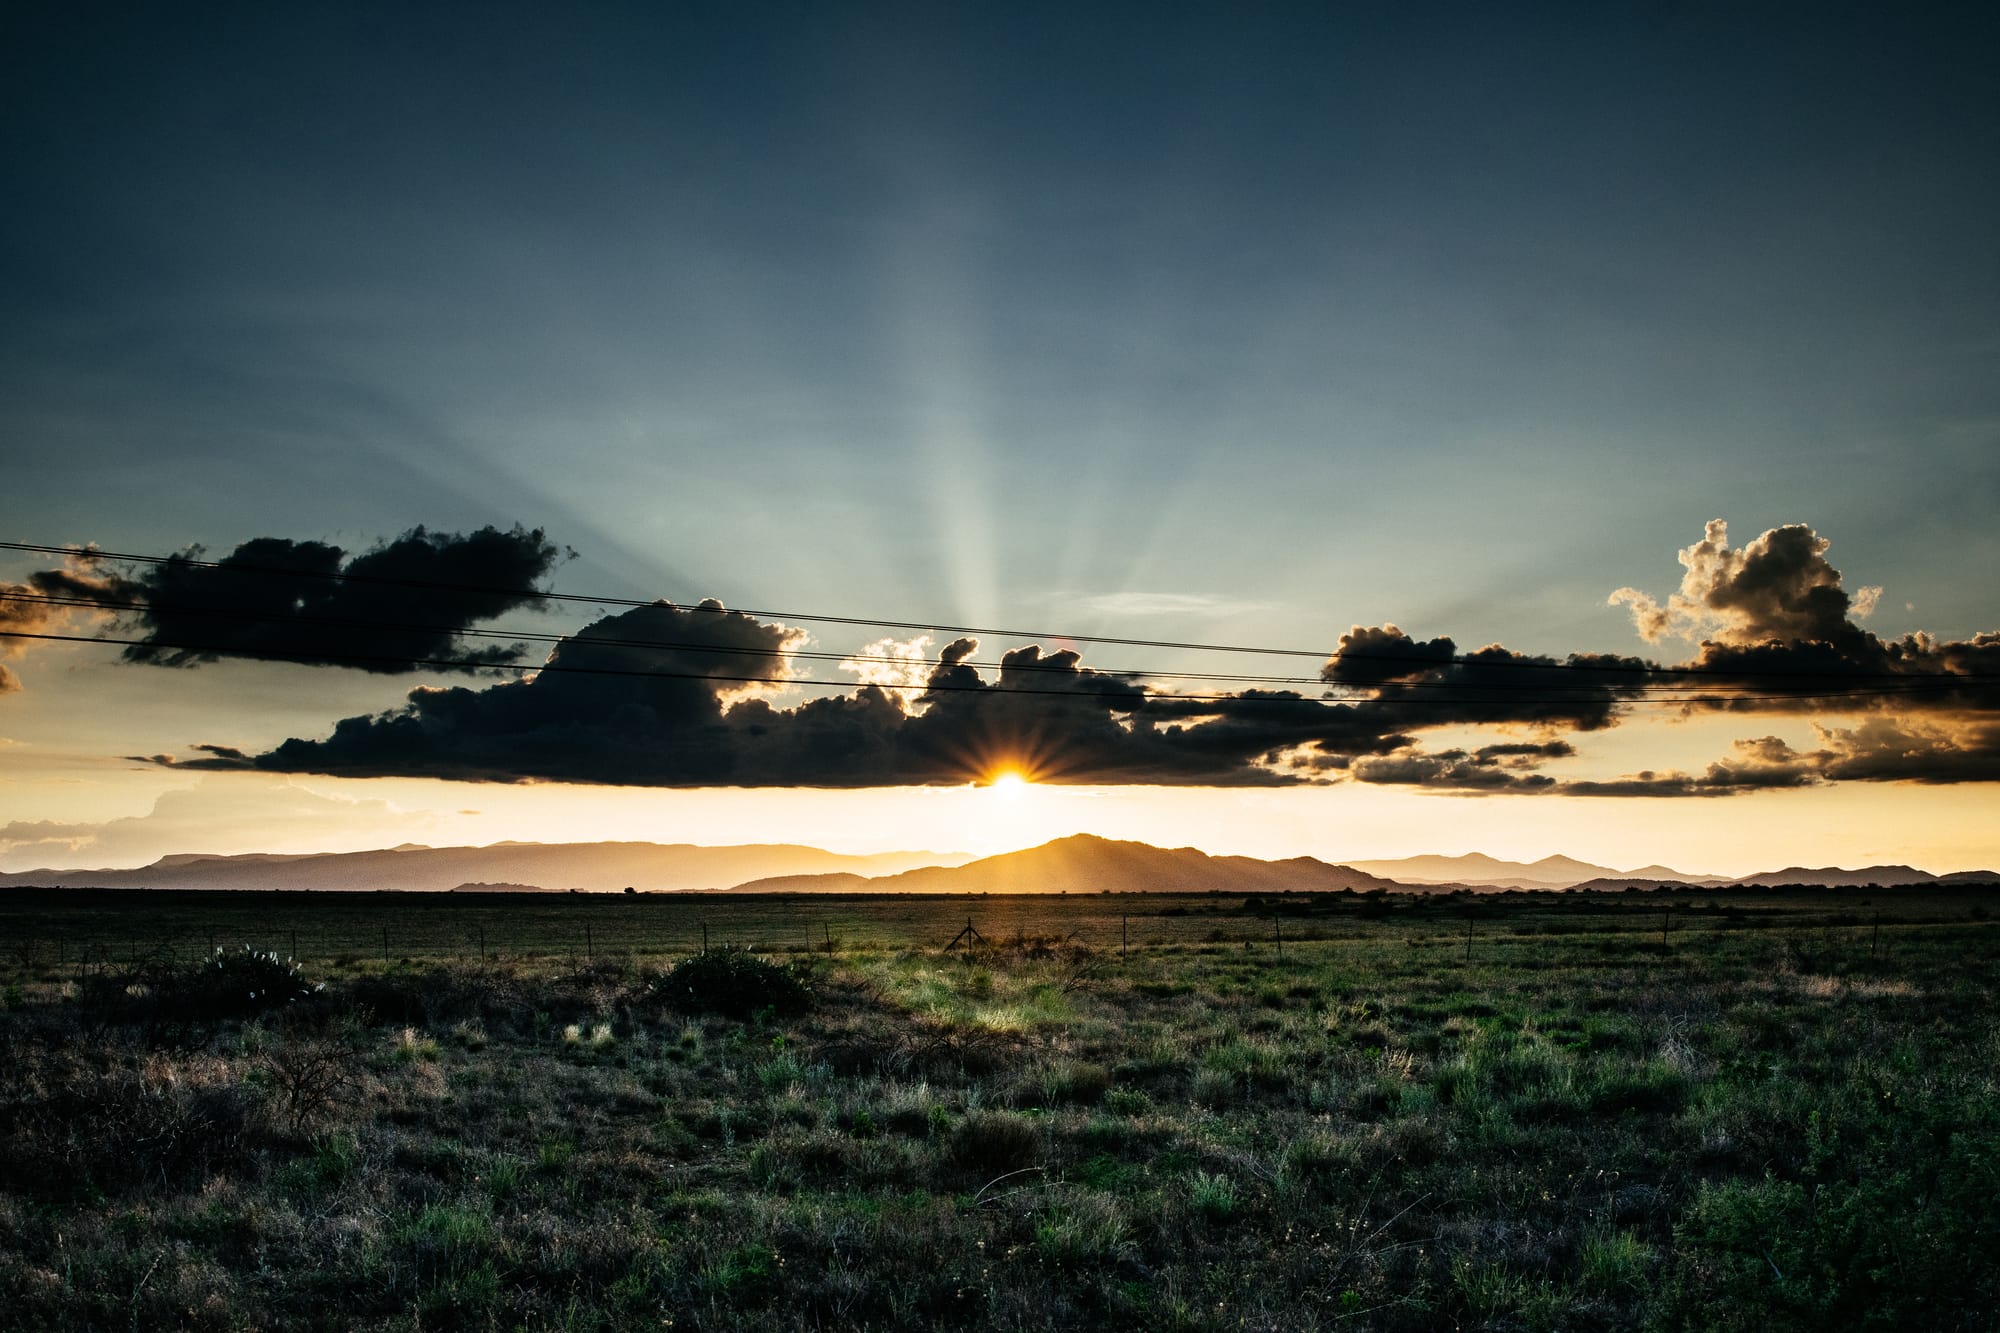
1080 864
1086 863
1834 877
1551 872
595 866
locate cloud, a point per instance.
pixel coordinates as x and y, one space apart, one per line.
1449 770
647 697
899 663
665 695
308 601
1880 749
218 814
1165 603
21 611
1781 637
1778 587
45 835
1491 685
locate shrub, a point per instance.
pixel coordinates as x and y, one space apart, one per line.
237 983
309 1073
992 1143
731 981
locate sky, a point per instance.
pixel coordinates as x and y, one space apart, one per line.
1633 339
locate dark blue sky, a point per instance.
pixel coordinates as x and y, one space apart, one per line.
1459 316
1244 323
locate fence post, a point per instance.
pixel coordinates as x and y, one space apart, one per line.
1875 938
1468 940
1124 934
704 937
589 945
295 946
385 946
1278 935
482 943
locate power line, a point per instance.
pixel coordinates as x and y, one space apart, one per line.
1719 674
1660 689
1109 699
540 595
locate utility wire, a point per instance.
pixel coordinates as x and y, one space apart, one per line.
1724 674
1672 689
1110 699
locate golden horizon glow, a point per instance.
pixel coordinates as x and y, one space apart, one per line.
1008 783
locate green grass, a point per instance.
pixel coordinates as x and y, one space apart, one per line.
1776 1121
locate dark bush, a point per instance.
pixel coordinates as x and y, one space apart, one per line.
731 981
236 983
993 1143
69 1130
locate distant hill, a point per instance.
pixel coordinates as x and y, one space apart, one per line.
1089 864
1083 863
1831 877
1551 872
596 866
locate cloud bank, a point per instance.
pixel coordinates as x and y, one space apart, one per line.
665 695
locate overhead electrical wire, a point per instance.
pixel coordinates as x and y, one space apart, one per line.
982 690
1670 690
533 594
1462 692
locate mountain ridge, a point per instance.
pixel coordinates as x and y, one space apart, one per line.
1079 863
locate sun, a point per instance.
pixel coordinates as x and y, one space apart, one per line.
1009 784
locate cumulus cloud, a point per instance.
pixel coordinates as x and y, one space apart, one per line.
1779 634
902 665
309 601
1778 587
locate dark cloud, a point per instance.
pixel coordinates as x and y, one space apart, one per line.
1371 655
1448 770
1779 587
1763 764
1884 749
1438 687
1778 633
665 695
21 611
677 714
272 597
1518 753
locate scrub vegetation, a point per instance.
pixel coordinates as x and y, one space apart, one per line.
1766 1111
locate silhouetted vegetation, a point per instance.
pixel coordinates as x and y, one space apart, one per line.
731 981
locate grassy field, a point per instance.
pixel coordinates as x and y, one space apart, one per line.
1769 1111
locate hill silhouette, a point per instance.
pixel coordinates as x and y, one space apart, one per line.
1086 863
594 866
